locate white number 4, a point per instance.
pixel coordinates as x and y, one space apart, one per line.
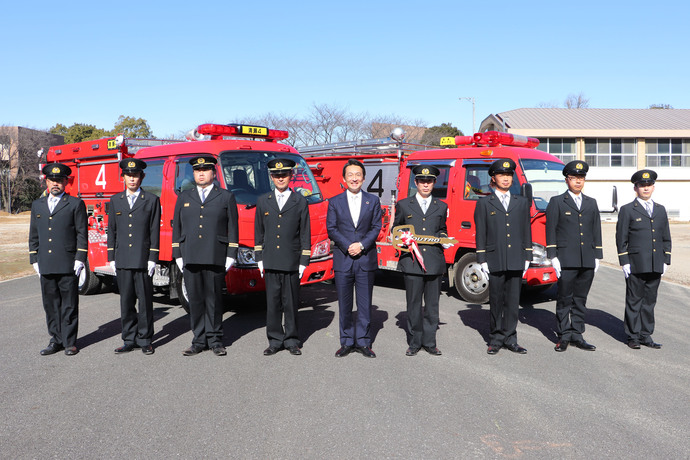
100 179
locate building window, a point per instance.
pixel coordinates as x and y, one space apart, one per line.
561 148
611 152
667 152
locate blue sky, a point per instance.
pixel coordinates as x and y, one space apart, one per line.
179 64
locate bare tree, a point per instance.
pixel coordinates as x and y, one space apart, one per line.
576 101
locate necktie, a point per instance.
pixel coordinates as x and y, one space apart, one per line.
578 201
424 206
504 200
280 201
203 194
649 208
52 203
131 200
354 209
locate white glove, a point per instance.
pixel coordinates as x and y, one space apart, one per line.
485 268
524 272
596 265
151 266
301 270
229 262
179 263
261 267
665 268
447 245
78 267
626 270
556 264
112 265
35 265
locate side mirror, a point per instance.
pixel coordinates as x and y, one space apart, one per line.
526 191
614 199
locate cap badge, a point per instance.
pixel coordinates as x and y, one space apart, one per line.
55 170
200 161
425 171
506 164
578 166
279 165
645 175
131 164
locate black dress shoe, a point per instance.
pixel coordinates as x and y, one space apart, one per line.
126 348
515 348
219 350
433 351
71 351
582 345
343 351
367 352
411 351
193 350
492 350
651 345
562 345
52 348
634 345
147 349
294 350
271 351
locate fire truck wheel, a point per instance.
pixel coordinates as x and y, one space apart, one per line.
89 283
470 281
180 288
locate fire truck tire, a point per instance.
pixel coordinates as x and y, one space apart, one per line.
89 282
470 281
180 288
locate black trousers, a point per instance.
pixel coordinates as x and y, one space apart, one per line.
136 327
504 305
640 298
355 332
422 322
573 288
61 303
282 300
205 290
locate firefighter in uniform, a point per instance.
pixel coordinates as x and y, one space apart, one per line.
504 250
282 239
428 216
58 247
573 243
205 241
133 241
643 239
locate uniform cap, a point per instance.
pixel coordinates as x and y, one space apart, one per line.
56 171
280 165
425 172
132 165
576 168
643 177
502 167
203 162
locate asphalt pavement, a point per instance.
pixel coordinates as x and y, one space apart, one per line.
611 403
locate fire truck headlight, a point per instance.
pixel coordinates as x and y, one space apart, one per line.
321 249
245 256
539 255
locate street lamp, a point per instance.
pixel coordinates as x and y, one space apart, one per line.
472 100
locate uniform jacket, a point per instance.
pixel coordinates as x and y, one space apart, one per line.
571 235
342 230
57 240
408 211
133 234
643 242
504 238
282 239
205 233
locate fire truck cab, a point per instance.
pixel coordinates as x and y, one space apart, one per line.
242 152
463 180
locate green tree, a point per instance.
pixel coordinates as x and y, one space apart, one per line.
79 132
132 127
433 135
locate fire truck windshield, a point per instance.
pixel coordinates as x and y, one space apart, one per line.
246 175
546 178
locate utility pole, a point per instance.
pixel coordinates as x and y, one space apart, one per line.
472 100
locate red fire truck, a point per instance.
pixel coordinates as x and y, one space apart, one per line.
242 152
464 179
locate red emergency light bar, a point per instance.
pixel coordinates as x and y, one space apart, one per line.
494 138
464 140
218 131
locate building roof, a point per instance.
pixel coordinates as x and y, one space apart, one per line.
597 122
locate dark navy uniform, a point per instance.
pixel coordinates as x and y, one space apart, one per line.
573 236
282 242
504 242
133 242
56 241
643 242
422 323
204 236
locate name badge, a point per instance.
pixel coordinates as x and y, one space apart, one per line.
409 217
266 213
186 205
118 213
567 213
639 219
38 216
492 213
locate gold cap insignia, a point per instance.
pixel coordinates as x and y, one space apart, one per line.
200 161
55 170
578 166
131 164
645 175
425 171
279 165
506 164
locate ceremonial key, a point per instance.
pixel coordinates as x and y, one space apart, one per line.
401 233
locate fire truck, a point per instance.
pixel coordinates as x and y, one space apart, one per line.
464 178
242 152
